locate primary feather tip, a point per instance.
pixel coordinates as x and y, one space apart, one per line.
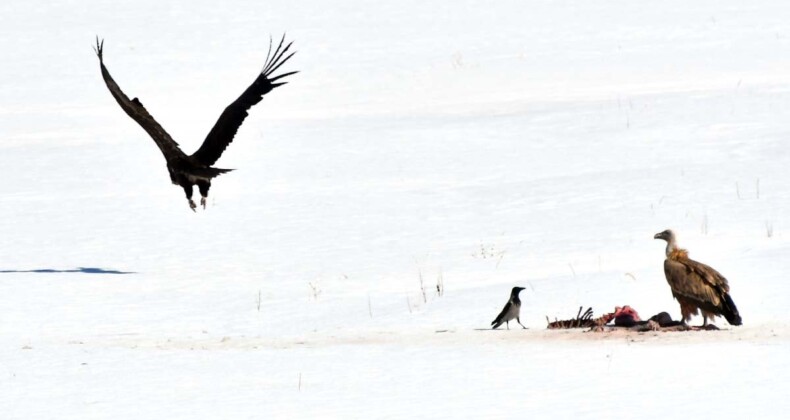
98 49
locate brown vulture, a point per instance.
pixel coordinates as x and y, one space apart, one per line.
696 286
511 310
196 169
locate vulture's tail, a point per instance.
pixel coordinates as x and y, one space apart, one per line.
730 312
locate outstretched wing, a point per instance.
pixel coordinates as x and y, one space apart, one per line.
134 108
221 135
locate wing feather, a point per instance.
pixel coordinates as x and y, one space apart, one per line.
226 127
501 317
696 282
135 109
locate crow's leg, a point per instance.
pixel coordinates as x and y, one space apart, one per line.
188 192
519 323
203 186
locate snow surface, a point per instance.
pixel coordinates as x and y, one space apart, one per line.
483 144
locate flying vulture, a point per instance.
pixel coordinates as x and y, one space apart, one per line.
196 169
696 286
511 310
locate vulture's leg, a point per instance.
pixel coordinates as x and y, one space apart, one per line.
188 192
708 327
203 186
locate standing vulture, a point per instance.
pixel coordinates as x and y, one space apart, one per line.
189 170
696 286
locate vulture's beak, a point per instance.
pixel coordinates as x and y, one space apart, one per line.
658 235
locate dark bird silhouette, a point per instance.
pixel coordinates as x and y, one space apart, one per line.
196 169
696 286
510 311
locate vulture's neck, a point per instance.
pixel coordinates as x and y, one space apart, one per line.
675 253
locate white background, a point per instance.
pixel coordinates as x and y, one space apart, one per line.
486 144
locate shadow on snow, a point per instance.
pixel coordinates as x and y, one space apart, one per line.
86 270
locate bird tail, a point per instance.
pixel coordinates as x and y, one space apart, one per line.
496 323
730 312
210 172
